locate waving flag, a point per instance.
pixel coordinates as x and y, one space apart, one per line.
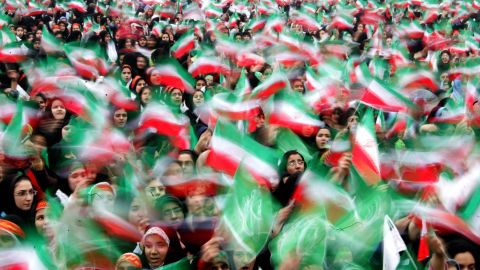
229 148
365 157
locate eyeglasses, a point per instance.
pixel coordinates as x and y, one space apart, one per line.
294 162
24 193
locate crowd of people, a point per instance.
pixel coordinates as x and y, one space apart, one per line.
256 134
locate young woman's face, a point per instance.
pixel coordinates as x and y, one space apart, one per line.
165 37
155 250
298 86
137 212
200 84
154 190
120 118
142 42
103 199
445 58
126 74
41 103
40 221
76 177
23 194
141 62
198 98
322 138
146 96
128 43
151 42
176 97
141 83
172 213
295 164
58 110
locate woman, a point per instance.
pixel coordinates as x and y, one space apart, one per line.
144 97
322 143
126 75
135 86
119 118
291 168
173 97
193 102
154 246
18 199
101 196
55 118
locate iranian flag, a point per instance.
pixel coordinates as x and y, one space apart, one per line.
365 156
291 111
13 54
274 83
212 11
342 22
248 59
229 147
184 45
208 65
234 107
208 184
87 62
412 79
77 5
49 42
381 96
172 74
275 23
160 118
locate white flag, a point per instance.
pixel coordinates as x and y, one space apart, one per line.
392 245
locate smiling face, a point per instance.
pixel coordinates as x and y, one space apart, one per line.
155 250
23 194
58 110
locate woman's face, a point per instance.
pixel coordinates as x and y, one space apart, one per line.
142 42
154 77
172 213
165 37
58 110
41 103
196 205
66 130
120 118
103 199
151 42
352 122
155 250
76 177
141 83
298 86
176 97
128 43
295 164
322 138
137 212
146 96
200 84
141 62
445 58
23 194
154 190
198 98
126 74
40 221
38 34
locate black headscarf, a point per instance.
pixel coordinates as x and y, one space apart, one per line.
27 218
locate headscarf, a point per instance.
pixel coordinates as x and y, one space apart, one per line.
131 258
155 231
